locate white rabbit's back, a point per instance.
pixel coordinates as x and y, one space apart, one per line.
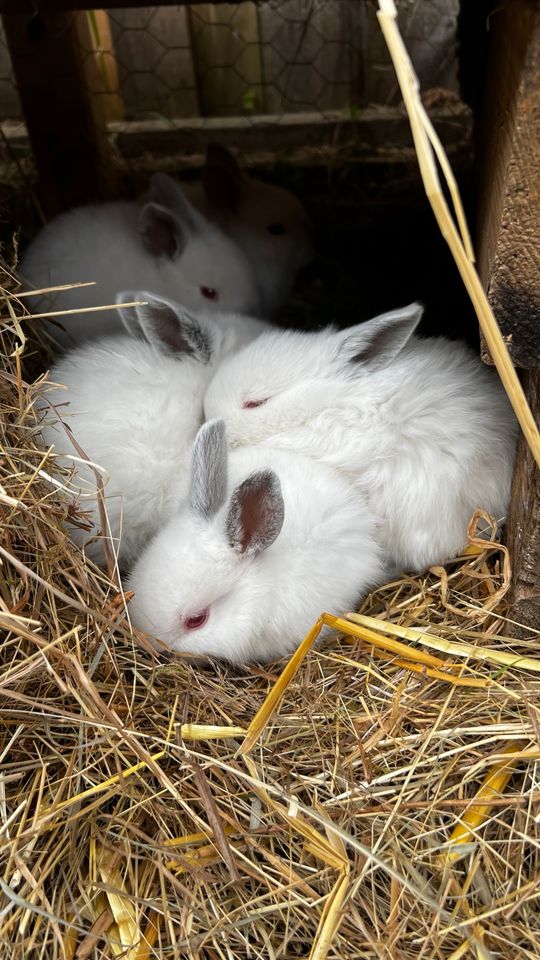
444 441
427 438
96 244
135 413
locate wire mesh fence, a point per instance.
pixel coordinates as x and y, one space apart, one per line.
250 59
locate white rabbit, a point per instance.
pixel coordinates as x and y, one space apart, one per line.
268 222
424 430
266 541
134 407
163 245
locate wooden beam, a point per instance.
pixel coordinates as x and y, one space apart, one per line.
509 209
377 134
104 69
29 7
509 256
227 59
524 524
53 62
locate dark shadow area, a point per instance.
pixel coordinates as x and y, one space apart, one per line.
378 244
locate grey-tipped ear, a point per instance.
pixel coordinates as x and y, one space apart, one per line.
377 342
167 325
209 469
256 513
128 315
223 180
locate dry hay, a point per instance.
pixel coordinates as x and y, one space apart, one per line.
130 828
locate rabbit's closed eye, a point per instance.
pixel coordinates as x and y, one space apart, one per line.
251 404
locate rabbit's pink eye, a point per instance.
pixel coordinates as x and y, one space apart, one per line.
251 404
209 293
197 621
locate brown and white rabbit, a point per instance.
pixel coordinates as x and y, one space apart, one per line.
268 223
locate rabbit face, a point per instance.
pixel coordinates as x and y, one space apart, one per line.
251 561
285 380
201 266
268 222
194 588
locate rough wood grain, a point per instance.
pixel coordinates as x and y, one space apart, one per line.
524 523
65 121
380 134
509 255
509 210
29 7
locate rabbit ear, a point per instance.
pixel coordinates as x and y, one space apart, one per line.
209 469
377 342
256 513
161 231
168 325
169 194
168 220
223 180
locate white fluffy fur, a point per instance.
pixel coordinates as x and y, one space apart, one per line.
103 244
324 558
134 409
427 436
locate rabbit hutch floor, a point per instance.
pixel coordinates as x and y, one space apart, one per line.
374 797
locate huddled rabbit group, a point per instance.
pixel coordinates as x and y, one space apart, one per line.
253 477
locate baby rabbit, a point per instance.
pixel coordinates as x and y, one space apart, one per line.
134 406
164 245
422 428
266 541
268 222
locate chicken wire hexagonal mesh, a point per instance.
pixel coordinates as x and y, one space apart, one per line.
247 59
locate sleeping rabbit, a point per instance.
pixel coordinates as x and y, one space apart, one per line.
265 542
421 427
134 405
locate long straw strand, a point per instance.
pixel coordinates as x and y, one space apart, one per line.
425 139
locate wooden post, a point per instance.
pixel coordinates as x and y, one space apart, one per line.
509 215
102 66
52 56
509 254
227 58
524 523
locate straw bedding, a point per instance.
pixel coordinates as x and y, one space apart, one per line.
130 827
